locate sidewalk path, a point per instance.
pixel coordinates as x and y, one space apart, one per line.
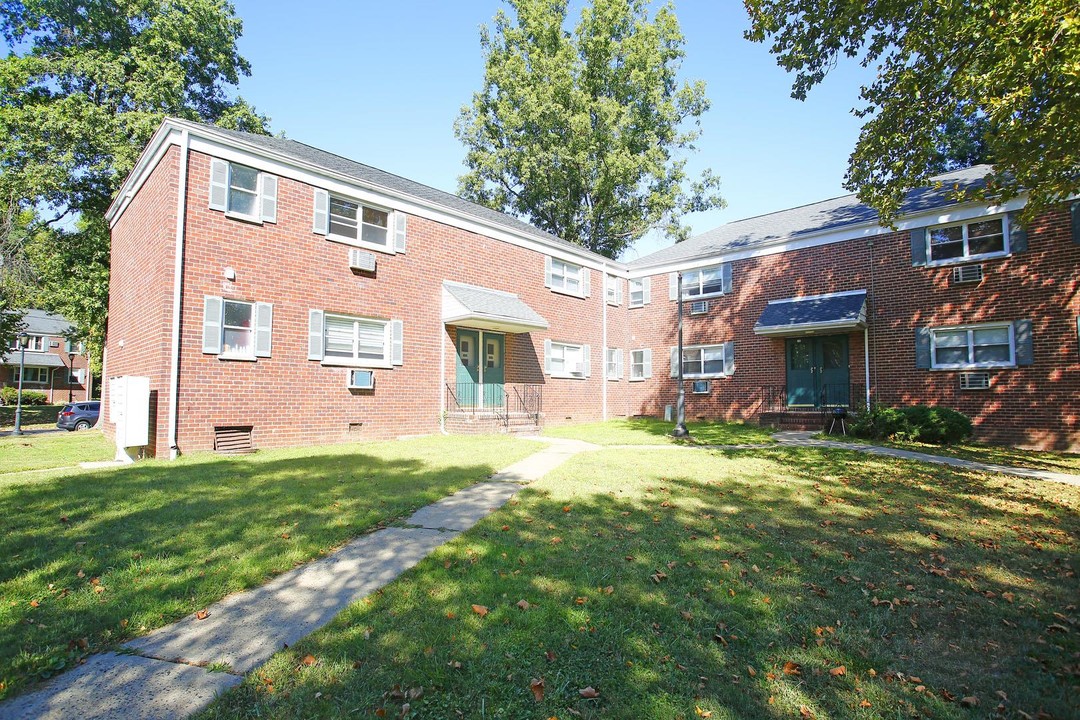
808 439
164 675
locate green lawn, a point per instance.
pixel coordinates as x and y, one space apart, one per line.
93 558
764 584
31 415
53 450
997 455
652 431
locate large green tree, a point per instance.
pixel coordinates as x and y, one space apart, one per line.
82 89
582 134
1000 77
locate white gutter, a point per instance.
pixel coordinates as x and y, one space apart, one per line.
866 362
178 276
604 349
441 387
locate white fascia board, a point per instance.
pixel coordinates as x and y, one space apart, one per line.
942 216
811 328
205 140
165 137
800 298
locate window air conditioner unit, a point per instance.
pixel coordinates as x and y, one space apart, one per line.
967 274
699 307
700 387
361 380
974 381
361 260
577 369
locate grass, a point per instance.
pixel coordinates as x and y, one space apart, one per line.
1061 462
653 431
726 584
94 558
31 415
52 450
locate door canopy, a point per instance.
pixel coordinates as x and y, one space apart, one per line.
814 315
480 307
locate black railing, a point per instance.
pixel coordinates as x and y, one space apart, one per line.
529 400
775 398
498 400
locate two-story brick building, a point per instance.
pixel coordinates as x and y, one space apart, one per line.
276 294
53 362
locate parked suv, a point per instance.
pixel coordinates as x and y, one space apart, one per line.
79 416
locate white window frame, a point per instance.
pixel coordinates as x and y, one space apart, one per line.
971 329
38 371
562 272
233 355
613 290
358 362
967 256
613 363
700 286
703 375
358 241
637 365
639 284
229 212
34 343
562 349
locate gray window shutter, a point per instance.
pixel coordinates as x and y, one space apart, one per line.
547 271
219 184
729 357
400 222
674 362
397 343
321 219
1074 210
315 335
1025 352
646 290
264 323
547 353
211 328
619 363
1018 241
80 375
586 352
673 286
268 198
918 246
586 282
618 292
922 348
646 363
725 277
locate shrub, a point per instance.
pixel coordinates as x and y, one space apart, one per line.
10 396
917 423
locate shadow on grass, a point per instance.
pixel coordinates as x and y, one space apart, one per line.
654 431
94 558
733 583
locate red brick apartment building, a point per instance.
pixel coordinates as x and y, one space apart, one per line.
53 363
276 294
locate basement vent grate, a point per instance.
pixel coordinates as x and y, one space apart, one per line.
974 381
699 307
967 274
233 439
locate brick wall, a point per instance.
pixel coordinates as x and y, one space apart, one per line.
57 389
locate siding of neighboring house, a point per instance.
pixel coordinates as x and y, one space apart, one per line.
51 371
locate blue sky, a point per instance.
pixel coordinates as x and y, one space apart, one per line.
382 83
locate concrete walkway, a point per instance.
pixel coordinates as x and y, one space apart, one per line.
164 675
808 439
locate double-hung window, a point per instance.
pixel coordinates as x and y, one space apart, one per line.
704 361
970 240
613 290
32 375
614 363
703 282
352 221
566 360
638 292
566 277
236 329
976 346
243 192
34 343
640 364
354 341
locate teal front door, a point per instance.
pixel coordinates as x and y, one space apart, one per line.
817 371
479 372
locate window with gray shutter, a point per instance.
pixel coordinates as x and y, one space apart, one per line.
321 215
268 198
315 335
264 323
211 342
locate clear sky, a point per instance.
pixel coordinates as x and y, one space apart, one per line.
383 82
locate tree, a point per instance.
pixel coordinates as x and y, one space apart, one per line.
82 91
16 286
579 133
1006 70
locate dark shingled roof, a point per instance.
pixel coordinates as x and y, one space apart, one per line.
393 183
795 312
810 219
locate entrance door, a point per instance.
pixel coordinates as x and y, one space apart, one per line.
479 371
817 371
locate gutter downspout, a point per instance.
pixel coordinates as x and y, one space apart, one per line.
441 388
866 361
603 340
178 276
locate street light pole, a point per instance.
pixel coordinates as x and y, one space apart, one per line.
680 408
23 339
71 371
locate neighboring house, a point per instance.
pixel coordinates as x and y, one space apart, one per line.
53 364
276 294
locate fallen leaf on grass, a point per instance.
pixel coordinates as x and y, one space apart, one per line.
284 536
549 655
608 590
792 668
523 604
480 610
589 693
308 661
537 687
202 614
581 600
658 576
805 712
841 670
454 665
702 713
752 672
864 703
34 603
970 701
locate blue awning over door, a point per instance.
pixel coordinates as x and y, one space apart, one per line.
815 315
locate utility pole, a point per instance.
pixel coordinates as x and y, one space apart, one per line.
680 407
